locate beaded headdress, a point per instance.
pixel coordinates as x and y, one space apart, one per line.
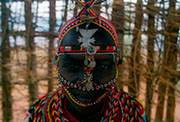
87 33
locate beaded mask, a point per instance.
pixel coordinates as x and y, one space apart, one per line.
87 35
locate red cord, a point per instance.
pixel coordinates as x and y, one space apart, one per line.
67 112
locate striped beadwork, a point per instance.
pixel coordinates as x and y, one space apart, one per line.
120 108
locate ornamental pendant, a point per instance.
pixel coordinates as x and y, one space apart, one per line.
89 86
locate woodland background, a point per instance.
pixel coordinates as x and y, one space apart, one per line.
149 38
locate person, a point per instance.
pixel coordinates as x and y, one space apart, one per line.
87 69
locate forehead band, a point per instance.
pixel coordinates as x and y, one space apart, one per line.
78 49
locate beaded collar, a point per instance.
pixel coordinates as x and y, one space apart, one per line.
120 107
113 110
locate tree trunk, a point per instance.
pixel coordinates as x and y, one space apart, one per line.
171 62
162 85
150 59
51 44
169 66
118 22
64 19
31 57
6 68
160 106
75 9
134 70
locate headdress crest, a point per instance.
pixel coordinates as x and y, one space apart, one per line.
87 9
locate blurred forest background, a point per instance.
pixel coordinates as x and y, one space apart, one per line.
149 38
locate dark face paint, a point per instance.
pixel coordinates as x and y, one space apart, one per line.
71 68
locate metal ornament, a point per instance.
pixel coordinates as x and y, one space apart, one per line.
89 86
92 64
88 81
91 51
86 40
89 62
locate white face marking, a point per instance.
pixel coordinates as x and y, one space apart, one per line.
86 39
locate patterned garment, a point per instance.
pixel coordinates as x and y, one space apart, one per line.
119 108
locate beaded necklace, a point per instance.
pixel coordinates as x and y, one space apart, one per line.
113 110
120 107
104 107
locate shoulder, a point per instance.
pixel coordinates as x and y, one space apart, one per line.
38 108
132 108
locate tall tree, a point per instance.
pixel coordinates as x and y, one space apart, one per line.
31 57
52 24
162 85
169 68
171 51
5 67
118 20
134 70
75 9
150 57
64 19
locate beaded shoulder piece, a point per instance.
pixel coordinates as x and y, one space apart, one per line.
121 108
133 111
47 109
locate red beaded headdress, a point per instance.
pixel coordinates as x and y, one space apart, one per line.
87 19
